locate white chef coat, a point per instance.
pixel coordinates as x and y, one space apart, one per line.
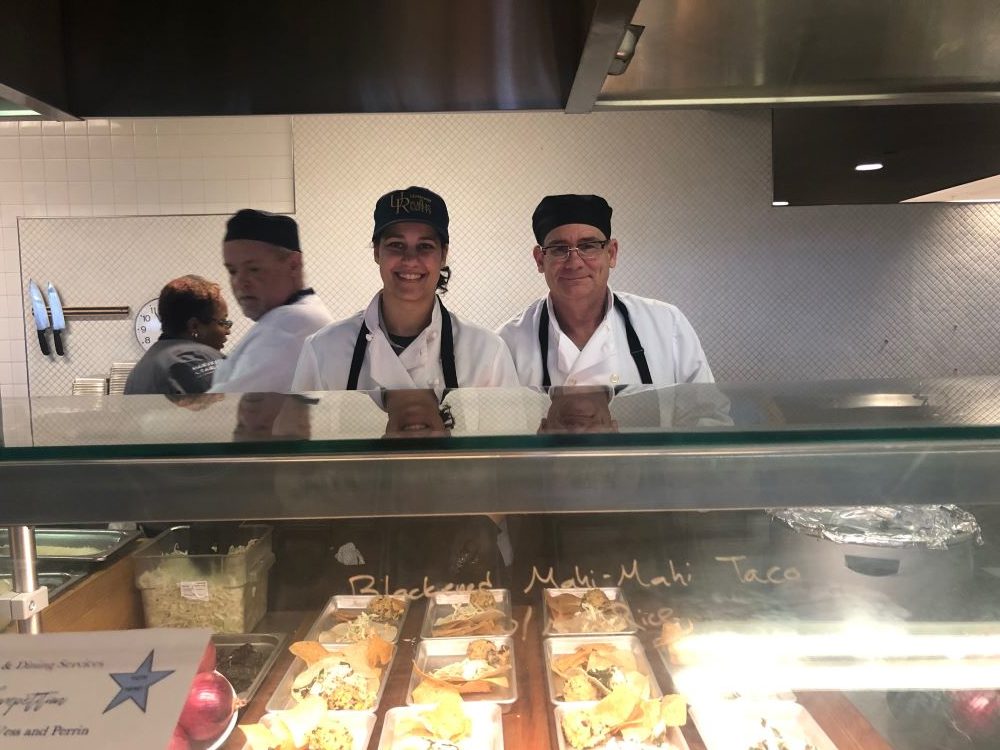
673 352
264 360
481 358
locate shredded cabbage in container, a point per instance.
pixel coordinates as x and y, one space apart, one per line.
233 605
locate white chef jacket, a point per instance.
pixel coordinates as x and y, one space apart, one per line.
481 358
264 360
673 352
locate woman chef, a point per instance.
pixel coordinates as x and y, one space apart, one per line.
406 338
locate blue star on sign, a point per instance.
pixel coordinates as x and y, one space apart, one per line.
134 686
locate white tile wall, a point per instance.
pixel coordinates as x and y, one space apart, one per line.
127 167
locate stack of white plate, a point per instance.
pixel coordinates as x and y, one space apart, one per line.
119 374
83 386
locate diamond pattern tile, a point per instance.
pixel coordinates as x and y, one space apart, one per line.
775 294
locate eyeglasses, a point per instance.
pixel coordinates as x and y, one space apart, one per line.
586 250
223 322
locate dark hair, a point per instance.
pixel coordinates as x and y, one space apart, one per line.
185 298
443 279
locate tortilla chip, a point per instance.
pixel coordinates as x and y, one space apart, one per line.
481 623
617 707
447 720
259 737
309 651
672 631
430 688
482 685
673 710
379 651
302 719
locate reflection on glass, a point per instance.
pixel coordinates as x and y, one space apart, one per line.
415 413
581 409
269 416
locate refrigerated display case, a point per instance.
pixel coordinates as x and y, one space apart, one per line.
798 559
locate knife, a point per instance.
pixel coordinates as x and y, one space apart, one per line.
58 319
41 315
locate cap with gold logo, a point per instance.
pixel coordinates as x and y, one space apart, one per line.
411 204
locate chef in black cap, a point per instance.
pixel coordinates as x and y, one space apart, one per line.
406 338
583 333
262 255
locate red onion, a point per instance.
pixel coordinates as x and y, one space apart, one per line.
207 663
977 712
179 740
209 706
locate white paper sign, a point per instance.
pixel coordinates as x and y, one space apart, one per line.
107 690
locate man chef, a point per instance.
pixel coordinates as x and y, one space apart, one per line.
262 255
583 333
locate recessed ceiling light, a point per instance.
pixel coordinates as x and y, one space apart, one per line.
779 203
868 166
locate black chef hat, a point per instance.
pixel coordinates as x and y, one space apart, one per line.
412 204
262 226
556 210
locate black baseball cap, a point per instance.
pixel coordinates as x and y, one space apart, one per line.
412 204
263 226
557 210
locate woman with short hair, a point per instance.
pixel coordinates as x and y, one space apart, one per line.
194 328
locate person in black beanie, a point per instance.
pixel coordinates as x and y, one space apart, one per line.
262 256
582 333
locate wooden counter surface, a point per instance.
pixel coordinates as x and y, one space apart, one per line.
530 725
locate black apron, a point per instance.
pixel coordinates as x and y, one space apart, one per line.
634 345
447 352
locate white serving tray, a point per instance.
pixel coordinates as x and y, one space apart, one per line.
735 724
487 728
675 736
359 722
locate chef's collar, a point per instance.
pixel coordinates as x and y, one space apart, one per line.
297 296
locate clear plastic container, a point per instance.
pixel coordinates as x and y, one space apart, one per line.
224 591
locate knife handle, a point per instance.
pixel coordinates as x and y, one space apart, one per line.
57 340
43 342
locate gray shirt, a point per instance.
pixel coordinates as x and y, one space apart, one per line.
174 366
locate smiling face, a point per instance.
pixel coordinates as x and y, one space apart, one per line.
414 413
580 409
576 279
410 256
213 332
262 275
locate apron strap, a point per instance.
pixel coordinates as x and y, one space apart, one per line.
447 348
634 345
360 345
543 343
447 352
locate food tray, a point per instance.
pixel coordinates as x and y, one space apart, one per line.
351 604
360 723
613 593
675 736
439 604
281 699
558 646
106 542
436 652
487 729
271 643
732 725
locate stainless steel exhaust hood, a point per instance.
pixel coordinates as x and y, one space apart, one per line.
710 53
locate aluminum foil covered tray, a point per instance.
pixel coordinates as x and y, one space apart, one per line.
931 526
